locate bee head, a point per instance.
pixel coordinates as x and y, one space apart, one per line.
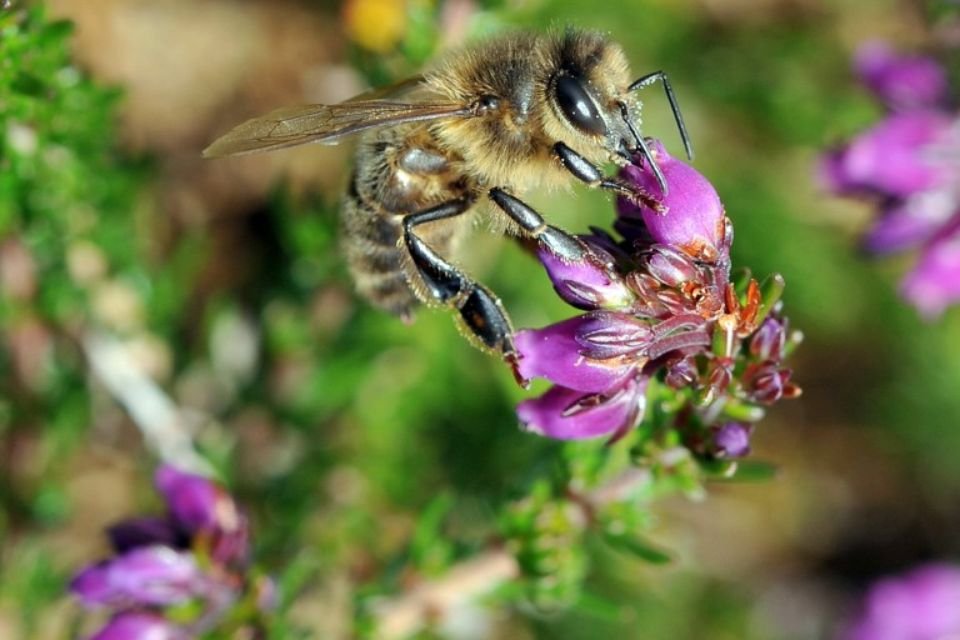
588 97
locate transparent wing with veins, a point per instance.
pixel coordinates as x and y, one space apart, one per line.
327 124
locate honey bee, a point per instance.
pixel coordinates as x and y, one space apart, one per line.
484 125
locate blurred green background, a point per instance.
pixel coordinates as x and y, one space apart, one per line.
349 434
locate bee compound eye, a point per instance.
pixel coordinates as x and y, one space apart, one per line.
578 106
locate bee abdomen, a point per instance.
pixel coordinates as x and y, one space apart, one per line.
371 243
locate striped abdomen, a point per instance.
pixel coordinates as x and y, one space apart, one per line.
398 172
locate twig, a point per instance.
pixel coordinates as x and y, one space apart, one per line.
405 615
154 412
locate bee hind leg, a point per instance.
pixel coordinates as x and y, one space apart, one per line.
481 314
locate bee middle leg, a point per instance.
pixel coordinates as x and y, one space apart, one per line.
556 240
481 313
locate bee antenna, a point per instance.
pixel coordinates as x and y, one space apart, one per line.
644 149
649 79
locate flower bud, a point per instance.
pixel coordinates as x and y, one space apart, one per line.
692 214
589 283
682 373
670 266
768 341
766 384
730 440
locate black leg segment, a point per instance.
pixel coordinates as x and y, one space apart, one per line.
559 242
481 315
589 174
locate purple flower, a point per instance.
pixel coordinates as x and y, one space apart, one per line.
893 158
587 353
907 224
198 553
140 625
567 414
900 81
923 604
910 163
192 499
590 283
731 440
689 218
148 575
934 282
681 319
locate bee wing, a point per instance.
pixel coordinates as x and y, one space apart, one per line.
326 124
402 88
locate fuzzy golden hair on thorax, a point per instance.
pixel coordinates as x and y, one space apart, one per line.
512 145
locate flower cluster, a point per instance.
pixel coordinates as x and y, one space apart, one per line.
909 163
175 577
920 605
661 305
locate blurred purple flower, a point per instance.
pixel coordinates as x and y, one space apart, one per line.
892 159
910 163
148 575
934 282
900 81
923 604
731 440
140 625
678 309
198 552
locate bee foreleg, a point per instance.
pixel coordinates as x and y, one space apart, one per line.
589 174
481 313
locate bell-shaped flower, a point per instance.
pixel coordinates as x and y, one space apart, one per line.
568 414
690 217
590 353
588 283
